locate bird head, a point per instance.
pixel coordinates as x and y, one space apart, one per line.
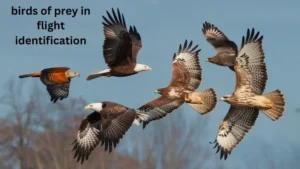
71 74
210 60
226 98
141 67
95 106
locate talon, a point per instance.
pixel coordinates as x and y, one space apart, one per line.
269 106
199 102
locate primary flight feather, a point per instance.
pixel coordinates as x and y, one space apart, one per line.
57 80
247 99
120 48
187 76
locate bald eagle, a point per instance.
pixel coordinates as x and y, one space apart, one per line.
57 80
120 48
187 76
226 49
108 123
247 99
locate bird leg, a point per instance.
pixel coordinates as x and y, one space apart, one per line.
268 106
193 100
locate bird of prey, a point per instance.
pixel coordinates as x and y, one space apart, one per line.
57 80
226 49
120 48
248 98
187 76
108 123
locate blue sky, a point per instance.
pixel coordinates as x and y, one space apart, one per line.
164 25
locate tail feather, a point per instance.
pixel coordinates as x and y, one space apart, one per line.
278 103
209 98
105 72
140 117
36 74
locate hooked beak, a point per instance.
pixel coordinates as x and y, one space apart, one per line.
156 91
222 99
87 107
78 74
207 60
149 68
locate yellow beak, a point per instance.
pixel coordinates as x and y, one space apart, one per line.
149 68
87 107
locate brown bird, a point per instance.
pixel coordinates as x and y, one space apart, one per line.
57 80
120 48
247 99
187 76
108 123
226 49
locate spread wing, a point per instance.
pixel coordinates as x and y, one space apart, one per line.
136 42
58 91
251 72
159 108
233 128
55 75
219 40
186 68
117 47
106 126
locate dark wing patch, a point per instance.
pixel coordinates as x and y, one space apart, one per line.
108 131
159 108
58 91
186 68
118 43
136 42
250 63
233 128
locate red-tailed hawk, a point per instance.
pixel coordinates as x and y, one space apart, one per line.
108 123
226 49
187 76
247 99
57 80
120 48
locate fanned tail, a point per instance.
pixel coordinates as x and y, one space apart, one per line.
209 99
278 103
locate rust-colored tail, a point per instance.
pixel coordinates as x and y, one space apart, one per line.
278 103
209 98
35 74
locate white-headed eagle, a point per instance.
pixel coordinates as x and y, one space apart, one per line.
107 124
120 48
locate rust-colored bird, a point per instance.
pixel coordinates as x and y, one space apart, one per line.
57 80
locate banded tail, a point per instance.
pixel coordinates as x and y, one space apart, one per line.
277 107
105 72
35 74
209 99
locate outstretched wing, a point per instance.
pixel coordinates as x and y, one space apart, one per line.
233 128
136 43
159 108
58 91
219 40
108 126
117 45
251 72
186 68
